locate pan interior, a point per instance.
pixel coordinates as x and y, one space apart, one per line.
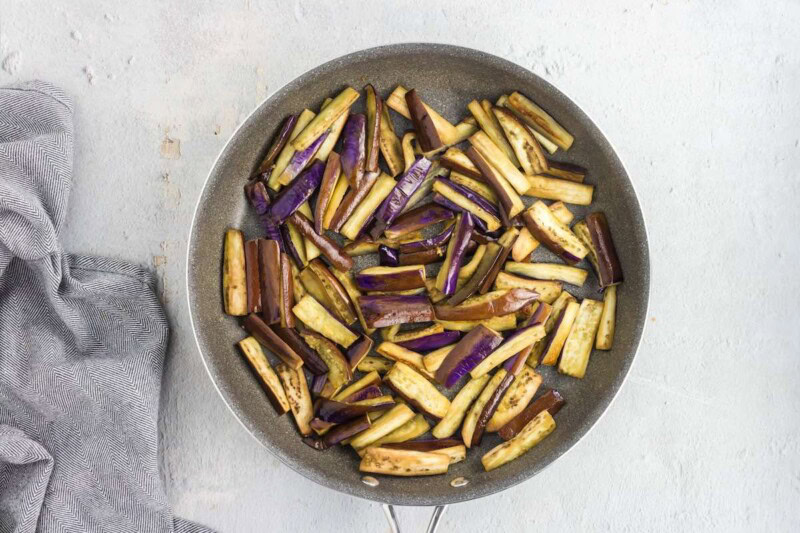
447 77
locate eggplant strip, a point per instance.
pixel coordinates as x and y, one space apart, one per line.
427 135
311 360
498 323
605 333
286 293
397 353
479 187
578 346
351 200
330 177
390 145
397 101
396 417
521 392
538 119
378 364
558 336
416 427
234 274
296 387
448 425
551 401
252 277
548 230
266 375
454 193
382 278
525 145
491 128
332 252
277 145
285 156
467 354
335 131
549 271
269 272
414 388
471 419
434 359
531 435
558 189
522 338
339 371
495 156
337 196
316 317
548 290
325 119
457 161
358 219
506 243
403 462
496 303
418 218
369 379
387 310
566 171
609 271
396 200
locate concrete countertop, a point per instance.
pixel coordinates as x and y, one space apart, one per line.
701 102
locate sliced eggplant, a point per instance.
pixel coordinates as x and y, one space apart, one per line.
525 145
558 336
467 354
507 195
558 189
346 279
548 290
252 277
566 171
549 271
354 148
374 108
491 128
548 230
234 274
416 427
477 186
397 353
471 419
418 218
429 243
294 244
390 145
267 336
286 293
468 270
417 390
428 445
448 425
524 245
335 292
562 213
551 401
332 252
297 193
521 339
427 135
397 101
352 199
538 119
490 407
492 304
521 392
358 351
457 161
605 332
531 435
393 462
285 155
311 249
311 360
270 273
609 268
296 388
495 156
424 189
332 138
266 375
339 371
301 159
390 278
434 359
325 119
396 200
366 209
333 169
431 342
391 420
343 432
386 310
481 272
277 145
378 364
498 323
316 317
339 412
506 242
469 201
338 194
258 197
578 346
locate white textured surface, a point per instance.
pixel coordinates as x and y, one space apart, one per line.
701 102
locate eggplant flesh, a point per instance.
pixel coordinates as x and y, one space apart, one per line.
339 371
266 375
387 310
316 317
467 354
418 390
393 462
609 268
489 305
267 336
548 230
531 435
390 278
578 346
551 401
605 333
234 274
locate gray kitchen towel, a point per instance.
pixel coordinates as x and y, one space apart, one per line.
82 345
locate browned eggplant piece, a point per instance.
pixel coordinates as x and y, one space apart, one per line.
548 290
234 275
340 433
391 462
252 277
332 252
296 387
387 309
366 210
352 199
457 161
418 218
429 445
390 144
506 242
336 294
549 271
388 422
319 319
538 119
469 288
566 171
489 124
609 268
471 419
378 364
267 336
579 343
447 132
480 187
517 398
325 119
270 273
311 360
525 145
358 351
374 117
333 168
495 303
277 145
346 279
497 158
531 435
605 333
397 353
367 393
551 401
558 335
557 189
266 375
459 406
490 408
519 340
427 135
339 412
368 380
466 354
548 230
499 323
425 257
417 390
390 278
286 293
339 371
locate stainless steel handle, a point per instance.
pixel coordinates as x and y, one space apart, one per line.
433 525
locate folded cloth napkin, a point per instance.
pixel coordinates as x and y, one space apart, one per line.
82 344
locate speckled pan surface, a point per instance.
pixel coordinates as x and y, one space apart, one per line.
447 77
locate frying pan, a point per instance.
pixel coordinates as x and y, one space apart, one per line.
447 77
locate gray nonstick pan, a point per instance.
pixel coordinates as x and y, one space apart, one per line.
448 77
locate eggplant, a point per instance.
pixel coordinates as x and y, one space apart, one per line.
425 257
470 350
365 210
300 160
390 278
332 252
339 371
418 218
316 317
409 154
448 425
234 274
490 407
338 412
390 144
557 189
386 310
397 353
506 242
566 171
457 161
396 417
311 249
473 415
520 339
317 385
286 293
447 278
495 156
397 101
397 199
525 146
558 336
311 360
252 278
539 120
531 435
334 291
556 309
431 342
489 305
346 279
296 387
466 200
388 256
367 393
481 272
520 393
578 346
428 445
339 433
480 187
489 124
352 199
393 462
424 189
434 359
325 119
294 244
549 271
285 155
297 193
378 364
509 199
464 129
524 246
354 149
550 401
374 116
416 427
426 244
413 334
257 194
335 131
358 351
423 123
548 230
277 145
337 196
561 212
468 270
417 390
333 168
605 333
609 268
368 380
266 375
548 290
269 265
267 336
498 323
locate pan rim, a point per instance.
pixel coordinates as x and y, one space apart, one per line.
456 496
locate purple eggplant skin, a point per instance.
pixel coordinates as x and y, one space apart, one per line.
471 195
340 412
359 350
425 257
609 268
256 193
311 360
277 145
424 445
318 383
545 239
252 276
367 393
446 202
474 283
269 271
506 244
490 408
297 192
418 218
374 117
332 251
330 176
473 348
551 401
427 136
301 159
352 199
394 204
267 337
389 309
462 236
431 342
289 246
345 431
388 256
393 280
426 244
354 148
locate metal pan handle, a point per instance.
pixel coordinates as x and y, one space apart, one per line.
433 525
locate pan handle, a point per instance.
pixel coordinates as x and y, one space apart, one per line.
433 525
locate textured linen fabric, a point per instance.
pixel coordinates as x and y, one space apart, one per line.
82 345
